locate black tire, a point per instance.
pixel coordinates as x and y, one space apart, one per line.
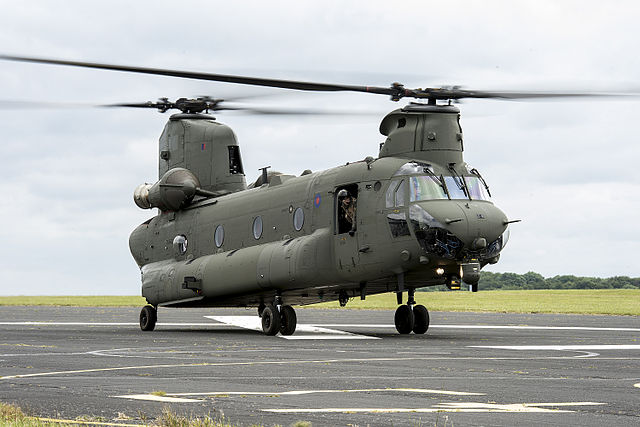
421 319
148 318
270 320
260 309
404 319
288 320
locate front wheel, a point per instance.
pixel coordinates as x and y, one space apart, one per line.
270 320
404 319
148 318
421 316
288 320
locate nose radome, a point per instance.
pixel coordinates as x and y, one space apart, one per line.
485 222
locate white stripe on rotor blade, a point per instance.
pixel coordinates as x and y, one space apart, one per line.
303 331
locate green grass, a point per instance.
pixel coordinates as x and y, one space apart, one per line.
76 301
13 416
574 301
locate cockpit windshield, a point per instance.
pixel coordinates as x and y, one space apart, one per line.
426 185
425 188
476 188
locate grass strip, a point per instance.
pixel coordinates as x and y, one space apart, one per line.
75 301
570 301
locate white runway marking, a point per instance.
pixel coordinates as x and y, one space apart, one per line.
176 397
446 407
524 327
255 325
583 347
303 332
100 324
637 385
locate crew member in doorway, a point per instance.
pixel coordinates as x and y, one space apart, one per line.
347 214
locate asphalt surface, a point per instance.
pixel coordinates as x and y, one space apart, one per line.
352 368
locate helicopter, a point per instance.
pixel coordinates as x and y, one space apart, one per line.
414 216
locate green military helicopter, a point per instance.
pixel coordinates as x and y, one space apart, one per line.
415 216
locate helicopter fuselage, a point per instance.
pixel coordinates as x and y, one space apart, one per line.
287 238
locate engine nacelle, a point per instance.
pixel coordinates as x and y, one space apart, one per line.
175 190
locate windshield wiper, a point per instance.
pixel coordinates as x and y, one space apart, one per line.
459 180
434 177
476 173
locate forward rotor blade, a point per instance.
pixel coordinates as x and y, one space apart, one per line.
256 81
445 93
396 91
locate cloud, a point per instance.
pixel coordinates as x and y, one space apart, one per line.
567 168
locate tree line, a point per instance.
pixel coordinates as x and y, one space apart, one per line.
531 280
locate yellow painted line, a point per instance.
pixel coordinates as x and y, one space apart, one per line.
187 365
156 398
88 423
301 392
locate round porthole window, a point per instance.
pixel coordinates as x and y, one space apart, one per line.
257 227
298 219
180 244
219 235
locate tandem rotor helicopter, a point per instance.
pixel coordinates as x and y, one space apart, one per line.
414 216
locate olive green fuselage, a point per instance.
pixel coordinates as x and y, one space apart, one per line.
287 237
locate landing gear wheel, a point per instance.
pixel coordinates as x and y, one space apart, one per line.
404 319
261 309
421 319
270 320
148 318
288 320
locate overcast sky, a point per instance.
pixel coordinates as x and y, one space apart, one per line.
567 169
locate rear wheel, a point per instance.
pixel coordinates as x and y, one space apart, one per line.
270 320
148 318
288 320
421 319
404 319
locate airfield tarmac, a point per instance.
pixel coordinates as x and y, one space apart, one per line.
342 367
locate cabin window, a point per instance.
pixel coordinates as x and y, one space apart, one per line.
298 219
257 227
219 236
180 244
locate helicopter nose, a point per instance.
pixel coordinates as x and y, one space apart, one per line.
475 223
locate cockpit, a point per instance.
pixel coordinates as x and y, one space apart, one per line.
469 225
425 184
